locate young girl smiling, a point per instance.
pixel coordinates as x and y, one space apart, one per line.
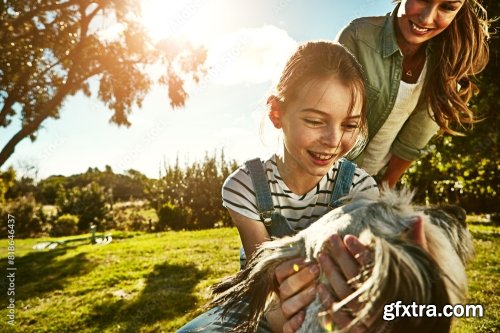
319 105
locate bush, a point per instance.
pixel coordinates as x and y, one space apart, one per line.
88 203
27 214
171 216
65 225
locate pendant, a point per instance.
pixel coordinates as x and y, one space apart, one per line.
409 73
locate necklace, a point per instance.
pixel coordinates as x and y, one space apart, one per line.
408 71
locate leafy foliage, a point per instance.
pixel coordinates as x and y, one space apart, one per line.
88 203
171 216
65 225
28 215
196 188
7 181
52 48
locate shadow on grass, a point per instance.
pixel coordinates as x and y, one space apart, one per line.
485 236
168 294
39 273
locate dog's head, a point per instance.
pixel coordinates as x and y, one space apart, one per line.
405 271
402 269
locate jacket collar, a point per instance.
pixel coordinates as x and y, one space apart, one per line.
389 42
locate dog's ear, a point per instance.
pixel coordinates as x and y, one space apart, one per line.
416 233
455 211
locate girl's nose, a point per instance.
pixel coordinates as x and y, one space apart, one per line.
332 137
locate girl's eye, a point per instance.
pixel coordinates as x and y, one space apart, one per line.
313 122
351 127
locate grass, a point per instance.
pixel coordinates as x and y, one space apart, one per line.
147 283
484 280
157 282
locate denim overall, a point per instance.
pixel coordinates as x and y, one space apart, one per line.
277 226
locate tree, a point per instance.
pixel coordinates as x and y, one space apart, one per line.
47 189
51 49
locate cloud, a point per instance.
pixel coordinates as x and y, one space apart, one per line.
249 56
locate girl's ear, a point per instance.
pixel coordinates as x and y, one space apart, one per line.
275 111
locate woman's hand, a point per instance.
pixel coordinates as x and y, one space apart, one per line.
297 289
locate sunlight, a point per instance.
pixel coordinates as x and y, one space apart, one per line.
173 18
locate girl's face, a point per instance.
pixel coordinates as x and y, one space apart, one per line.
420 20
317 127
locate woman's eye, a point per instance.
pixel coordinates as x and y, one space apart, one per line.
449 8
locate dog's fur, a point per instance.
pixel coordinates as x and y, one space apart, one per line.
401 270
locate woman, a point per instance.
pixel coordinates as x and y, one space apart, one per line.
417 62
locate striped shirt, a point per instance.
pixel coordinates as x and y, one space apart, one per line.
300 210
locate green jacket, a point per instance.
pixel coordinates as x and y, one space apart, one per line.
372 40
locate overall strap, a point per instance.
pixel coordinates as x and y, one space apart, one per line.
343 182
262 192
275 223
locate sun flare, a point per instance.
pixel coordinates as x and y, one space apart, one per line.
165 19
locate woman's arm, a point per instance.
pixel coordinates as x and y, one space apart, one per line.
397 166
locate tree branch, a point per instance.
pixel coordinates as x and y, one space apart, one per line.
13 94
38 11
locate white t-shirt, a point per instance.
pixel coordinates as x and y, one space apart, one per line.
378 152
300 210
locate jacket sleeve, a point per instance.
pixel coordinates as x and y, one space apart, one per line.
412 140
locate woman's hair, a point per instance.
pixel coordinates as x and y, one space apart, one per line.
319 60
459 52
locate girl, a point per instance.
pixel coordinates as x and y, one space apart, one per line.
417 62
319 106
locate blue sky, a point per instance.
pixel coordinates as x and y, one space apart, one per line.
248 42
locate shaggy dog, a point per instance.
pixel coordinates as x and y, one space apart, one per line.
401 271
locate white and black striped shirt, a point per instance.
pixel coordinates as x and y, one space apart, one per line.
300 210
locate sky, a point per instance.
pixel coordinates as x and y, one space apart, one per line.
248 43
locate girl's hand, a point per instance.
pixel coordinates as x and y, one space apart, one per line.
297 289
342 263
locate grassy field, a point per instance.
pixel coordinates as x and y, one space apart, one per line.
157 282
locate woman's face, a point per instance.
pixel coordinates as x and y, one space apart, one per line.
420 20
317 127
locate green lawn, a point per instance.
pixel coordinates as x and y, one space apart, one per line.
157 282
